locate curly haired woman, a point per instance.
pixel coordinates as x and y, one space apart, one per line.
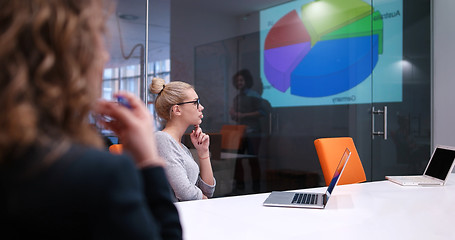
56 182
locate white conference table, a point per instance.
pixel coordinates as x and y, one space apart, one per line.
372 210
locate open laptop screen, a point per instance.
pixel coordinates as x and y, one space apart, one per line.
440 163
338 171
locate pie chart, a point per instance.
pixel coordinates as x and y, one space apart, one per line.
330 47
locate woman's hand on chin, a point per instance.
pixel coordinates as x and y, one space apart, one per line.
201 141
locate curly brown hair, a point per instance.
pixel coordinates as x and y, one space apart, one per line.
48 50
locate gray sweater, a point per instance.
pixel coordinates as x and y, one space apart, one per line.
181 169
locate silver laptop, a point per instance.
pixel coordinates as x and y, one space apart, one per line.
436 173
308 199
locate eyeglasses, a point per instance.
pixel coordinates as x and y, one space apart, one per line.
196 102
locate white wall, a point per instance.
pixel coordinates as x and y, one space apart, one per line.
444 72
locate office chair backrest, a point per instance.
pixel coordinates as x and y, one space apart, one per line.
116 148
329 152
232 136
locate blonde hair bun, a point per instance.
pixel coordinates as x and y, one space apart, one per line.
157 85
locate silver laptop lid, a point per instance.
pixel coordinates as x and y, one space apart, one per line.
441 163
338 172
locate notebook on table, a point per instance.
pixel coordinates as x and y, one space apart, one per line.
308 199
436 173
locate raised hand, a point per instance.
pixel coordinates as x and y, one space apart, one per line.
201 141
134 126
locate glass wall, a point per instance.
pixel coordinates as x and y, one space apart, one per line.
130 68
307 70
320 69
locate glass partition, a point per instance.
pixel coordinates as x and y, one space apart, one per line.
306 70
128 43
408 146
320 69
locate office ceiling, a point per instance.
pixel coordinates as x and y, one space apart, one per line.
127 25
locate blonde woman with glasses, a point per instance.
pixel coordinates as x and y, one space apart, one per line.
178 104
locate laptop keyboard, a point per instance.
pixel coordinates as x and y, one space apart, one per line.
419 179
305 198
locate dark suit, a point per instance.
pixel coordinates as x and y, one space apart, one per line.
85 194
